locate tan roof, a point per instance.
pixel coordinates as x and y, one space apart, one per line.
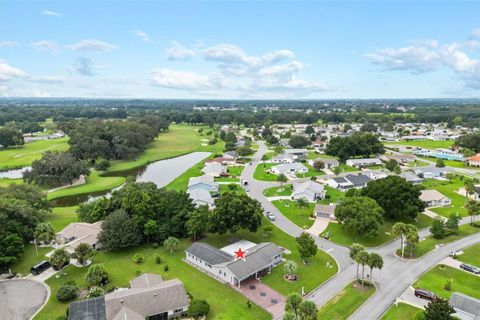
81 229
431 195
325 208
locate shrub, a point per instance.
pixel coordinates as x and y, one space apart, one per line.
158 260
448 285
198 309
155 245
95 292
97 275
138 258
165 268
67 293
102 164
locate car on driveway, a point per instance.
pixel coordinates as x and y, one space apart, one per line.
425 294
470 268
270 216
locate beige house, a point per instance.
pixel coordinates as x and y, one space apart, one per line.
79 232
433 198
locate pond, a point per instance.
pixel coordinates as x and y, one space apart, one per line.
160 172
14 173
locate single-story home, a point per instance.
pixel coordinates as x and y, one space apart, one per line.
79 232
400 158
221 264
221 160
325 211
203 182
474 161
433 198
289 168
362 163
282 158
149 297
308 190
297 154
411 177
349 181
201 197
329 163
476 193
432 172
231 155
466 307
214 169
375 174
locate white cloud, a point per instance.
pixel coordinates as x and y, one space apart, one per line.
47 79
51 13
8 44
45 45
179 52
39 93
142 35
184 80
7 72
84 67
92 45
427 56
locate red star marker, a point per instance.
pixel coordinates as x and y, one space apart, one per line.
239 254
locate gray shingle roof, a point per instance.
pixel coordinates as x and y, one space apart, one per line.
145 280
358 179
209 253
465 303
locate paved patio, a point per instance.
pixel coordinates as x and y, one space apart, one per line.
264 296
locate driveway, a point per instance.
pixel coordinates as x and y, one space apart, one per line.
264 296
21 299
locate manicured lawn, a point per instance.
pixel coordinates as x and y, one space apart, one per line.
427 144
225 302
95 183
312 155
471 255
179 140
332 196
225 187
29 258
309 276
235 172
6 182
338 234
285 190
345 168
299 216
261 173
402 311
436 278
449 189
181 182
24 156
417 163
61 217
311 172
344 304
452 163
429 243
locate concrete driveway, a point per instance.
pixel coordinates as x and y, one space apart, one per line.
21 299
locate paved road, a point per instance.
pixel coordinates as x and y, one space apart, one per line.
394 278
20 299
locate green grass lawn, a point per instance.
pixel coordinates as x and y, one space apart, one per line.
436 278
429 243
235 172
332 196
225 187
338 234
95 183
22 157
451 163
417 163
345 168
61 217
29 258
225 302
4 182
344 304
181 182
299 216
471 255
427 144
402 311
261 173
180 139
312 155
449 189
311 172
285 190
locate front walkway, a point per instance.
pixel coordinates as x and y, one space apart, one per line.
432 214
263 296
319 226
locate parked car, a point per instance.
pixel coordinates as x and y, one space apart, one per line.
270 216
247 190
425 294
40 267
470 268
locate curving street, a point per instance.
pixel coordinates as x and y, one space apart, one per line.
391 281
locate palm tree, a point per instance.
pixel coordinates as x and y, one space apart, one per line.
290 268
411 236
354 250
375 261
473 208
302 203
469 188
399 229
170 244
43 234
282 179
362 258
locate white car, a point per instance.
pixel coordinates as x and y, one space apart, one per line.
270 216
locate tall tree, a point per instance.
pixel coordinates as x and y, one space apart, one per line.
354 250
412 237
44 233
399 229
119 232
359 215
439 309
374 261
197 223
59 258
297 141
473 208
171 244
307 310
306 246
97 275
83 253
362 259
293 303
10 136
282 179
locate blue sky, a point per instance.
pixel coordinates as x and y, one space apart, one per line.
240 50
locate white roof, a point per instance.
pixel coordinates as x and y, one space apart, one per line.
244 244
431 195
202 179
308 187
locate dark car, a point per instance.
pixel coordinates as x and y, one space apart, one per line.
40 267
425 294
470 268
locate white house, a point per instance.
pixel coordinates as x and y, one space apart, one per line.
221 264
308 190
201 197
329 163
214 169
296 154
412 178
432 172
289 169
203 182
361 163
348 182
433 198
282 158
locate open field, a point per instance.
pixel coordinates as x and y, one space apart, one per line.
402 311
436 278
427 144
299 216
22 157
346 302
338 234
471 255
